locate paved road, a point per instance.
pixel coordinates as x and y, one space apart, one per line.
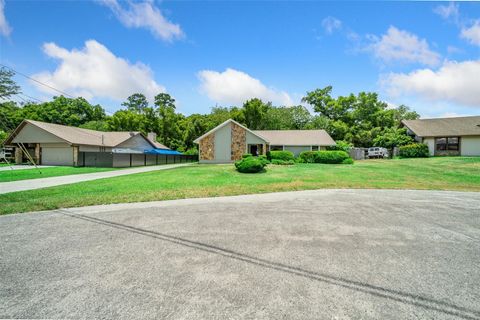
22 185
328 254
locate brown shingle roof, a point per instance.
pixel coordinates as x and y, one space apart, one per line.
461 126
81 136
297 137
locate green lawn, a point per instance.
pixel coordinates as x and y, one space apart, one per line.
453 173
14 175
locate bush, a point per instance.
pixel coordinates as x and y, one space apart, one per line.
348 161
414 150
263 159
283 162
331 156
341 145
307 156
247 155
281 155
250 165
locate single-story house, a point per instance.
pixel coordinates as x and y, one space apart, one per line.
230 140
447 136
59 145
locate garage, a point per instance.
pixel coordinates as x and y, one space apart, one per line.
57 156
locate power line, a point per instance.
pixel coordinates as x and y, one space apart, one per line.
46 85
39 82
30 97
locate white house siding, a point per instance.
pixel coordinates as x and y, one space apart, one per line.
93 149
223 144
253 139
470 146
33 134
431 145
57 156
297 149
135 144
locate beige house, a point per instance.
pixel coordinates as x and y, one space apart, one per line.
230 140
53 144
447 136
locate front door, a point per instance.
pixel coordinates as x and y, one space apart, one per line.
253 149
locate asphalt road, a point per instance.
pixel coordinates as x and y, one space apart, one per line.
328 254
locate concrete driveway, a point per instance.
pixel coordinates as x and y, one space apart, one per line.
327 254
32 184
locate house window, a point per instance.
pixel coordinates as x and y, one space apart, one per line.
314 148
276 148
447 144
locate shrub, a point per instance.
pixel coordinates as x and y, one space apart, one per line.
414 150
307 156
341 145
283 162
281 155
331 156
263 159
348 161
247 155
249 165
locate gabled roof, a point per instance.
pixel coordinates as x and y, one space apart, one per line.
297 137
79 136
460 126
224 124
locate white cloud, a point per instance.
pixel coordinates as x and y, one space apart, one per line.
5 28
330 24
455 82
454 115
472 34
94 71
145 15
400 45
448 12
235 87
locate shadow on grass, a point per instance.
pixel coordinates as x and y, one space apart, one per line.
394 295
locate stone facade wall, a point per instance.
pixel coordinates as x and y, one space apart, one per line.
207 147
239 140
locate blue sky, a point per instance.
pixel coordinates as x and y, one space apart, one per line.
423 54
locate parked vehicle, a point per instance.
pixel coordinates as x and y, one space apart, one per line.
377 152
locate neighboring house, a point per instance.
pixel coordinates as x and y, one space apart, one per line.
230 140
447 136
53 144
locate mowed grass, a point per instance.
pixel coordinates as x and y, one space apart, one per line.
32 173
455 173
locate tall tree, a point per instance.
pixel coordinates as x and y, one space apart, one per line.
8 87
169 133
254 111
137 102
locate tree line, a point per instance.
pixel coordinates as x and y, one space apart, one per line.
361 120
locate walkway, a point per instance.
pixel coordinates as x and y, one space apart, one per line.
20 167
32 184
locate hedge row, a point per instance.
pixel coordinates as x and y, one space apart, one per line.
251 164
325 157
280 155
414 150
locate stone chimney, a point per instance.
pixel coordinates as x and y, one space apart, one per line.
152 136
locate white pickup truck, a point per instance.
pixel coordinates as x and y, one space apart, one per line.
377 152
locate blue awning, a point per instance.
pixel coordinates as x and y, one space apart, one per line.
163 151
